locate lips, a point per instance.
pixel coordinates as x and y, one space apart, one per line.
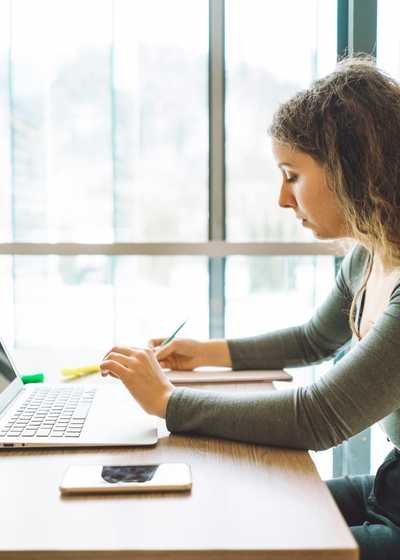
302 220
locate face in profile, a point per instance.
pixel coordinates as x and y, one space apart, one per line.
305 190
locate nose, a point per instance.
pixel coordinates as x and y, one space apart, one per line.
286 197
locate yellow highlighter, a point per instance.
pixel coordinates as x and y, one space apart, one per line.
74 373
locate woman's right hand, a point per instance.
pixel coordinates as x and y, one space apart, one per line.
187 354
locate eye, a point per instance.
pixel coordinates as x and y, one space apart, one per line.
291 178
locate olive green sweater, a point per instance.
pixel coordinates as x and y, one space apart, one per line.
358 390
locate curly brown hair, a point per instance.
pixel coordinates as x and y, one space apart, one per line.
349 121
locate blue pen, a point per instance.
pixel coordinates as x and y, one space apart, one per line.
173 334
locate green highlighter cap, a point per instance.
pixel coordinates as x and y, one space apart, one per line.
33 378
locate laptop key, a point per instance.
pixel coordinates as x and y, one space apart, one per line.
81 412
43 432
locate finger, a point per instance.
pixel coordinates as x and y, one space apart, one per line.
106 354
152 358
115 368
119 349
154 342
165 365
126 350
105 373
120 358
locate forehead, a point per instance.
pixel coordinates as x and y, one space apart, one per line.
286 154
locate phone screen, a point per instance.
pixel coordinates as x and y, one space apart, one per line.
128 473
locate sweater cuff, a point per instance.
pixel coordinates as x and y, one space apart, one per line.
235 347
172 412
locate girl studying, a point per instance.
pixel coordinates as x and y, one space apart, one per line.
337 146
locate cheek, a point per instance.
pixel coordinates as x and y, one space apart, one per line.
317 193
306 196
333 204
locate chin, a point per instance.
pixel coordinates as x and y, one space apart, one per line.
325 236
318 234
322 234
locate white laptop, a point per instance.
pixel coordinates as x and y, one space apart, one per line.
71 415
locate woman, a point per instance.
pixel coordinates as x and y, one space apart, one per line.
337 145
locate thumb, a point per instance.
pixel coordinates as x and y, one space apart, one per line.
163 352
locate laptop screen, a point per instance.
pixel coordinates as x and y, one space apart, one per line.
7 373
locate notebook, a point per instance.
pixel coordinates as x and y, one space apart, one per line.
41 415
226 375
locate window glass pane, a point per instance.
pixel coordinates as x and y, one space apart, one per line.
380 447
388 40
272 51
63 301
161 105
267 293
60 88
154 295
109 113
92 302
5 137
7 299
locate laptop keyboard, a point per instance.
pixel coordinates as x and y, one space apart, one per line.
51 412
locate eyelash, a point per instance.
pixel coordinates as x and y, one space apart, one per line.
292 179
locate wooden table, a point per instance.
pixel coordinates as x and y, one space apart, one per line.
247 501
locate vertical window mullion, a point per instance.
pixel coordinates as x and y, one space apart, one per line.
362 25
217 202
342 28
357 27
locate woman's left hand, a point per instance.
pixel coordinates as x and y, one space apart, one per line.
142 375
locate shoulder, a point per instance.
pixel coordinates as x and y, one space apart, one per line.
354 267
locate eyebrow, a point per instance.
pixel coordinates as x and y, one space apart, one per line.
280 165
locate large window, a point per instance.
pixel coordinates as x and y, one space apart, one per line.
133 139
105 139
